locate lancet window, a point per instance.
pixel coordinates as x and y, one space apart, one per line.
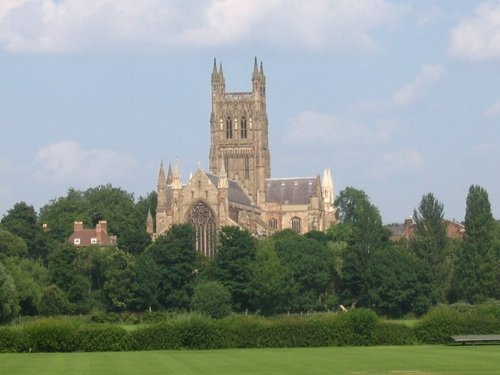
203 221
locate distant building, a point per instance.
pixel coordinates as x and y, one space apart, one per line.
238 190
98 236
407 229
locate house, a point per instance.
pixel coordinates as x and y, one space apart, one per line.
98 236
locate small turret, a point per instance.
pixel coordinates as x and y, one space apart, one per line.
222 176
149 223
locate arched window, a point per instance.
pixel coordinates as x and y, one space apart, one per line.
296 224
203 221
229 128
273 223
243 127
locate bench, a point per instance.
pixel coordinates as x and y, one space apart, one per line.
475 339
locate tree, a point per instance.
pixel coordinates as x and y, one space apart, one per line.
476 268
430 245
125 219
401 283
8 301
63 272
22 221
211 298
54 302
235 254
30 278
117 289
275 289
312 268
12 245
365 235
175 255
60 214
146 283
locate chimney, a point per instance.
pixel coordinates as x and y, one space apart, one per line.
100 229
78 226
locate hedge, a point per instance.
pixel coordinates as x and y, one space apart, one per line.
192 331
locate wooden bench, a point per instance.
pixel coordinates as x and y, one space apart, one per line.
475 339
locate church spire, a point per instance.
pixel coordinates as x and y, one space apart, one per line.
215 73
255 74
176 180
162 190
161 176
170 178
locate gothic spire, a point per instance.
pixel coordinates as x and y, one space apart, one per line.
161 177
255 74
170 178
176 180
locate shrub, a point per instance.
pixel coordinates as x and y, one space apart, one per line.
12 339
212 298
438 325
393 333
52 334
158 336
363 322
103 337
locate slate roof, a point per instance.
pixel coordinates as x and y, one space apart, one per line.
236 192
291 190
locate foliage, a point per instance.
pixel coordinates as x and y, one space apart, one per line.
477 261
125 219
400 283
272 281
120 275
146 283
8 301
52 335
12 245
430 243
22 221
366 236
103 337
175 255
211 298
54 302
30 278
235 254
63 272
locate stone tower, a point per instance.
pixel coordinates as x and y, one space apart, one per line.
239 133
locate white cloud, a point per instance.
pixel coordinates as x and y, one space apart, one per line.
68 162
478 37
413 91
406 161
69 25
493 110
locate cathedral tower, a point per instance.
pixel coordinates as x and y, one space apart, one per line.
239 133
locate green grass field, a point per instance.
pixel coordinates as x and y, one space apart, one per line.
398 360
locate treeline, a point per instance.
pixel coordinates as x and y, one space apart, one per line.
352 264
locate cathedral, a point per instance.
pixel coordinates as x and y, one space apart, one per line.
239 190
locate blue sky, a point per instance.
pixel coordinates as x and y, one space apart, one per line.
399 98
